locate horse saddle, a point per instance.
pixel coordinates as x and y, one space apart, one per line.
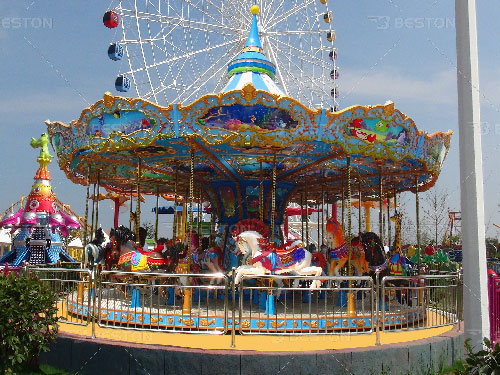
339 252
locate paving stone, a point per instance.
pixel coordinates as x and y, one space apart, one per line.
59 355
333 363
85 357
303 364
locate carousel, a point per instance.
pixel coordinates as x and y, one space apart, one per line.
247 154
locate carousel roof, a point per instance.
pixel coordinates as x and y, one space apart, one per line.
237 134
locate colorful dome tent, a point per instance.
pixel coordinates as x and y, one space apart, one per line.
39 225
252 149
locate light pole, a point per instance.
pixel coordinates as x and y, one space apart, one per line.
471 175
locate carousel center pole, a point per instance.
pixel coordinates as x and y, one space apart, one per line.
351 310
307 215
388 219
471 176
417 211
343 203
186 307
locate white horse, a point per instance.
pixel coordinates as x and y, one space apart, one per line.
293 259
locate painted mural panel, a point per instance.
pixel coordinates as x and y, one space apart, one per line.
125 122
240 118
374 130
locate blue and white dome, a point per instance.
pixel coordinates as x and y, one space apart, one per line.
252 65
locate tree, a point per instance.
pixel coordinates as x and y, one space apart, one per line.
436 211
150 228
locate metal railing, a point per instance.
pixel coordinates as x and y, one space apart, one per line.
259 305
163 302
74 289
417 302
285 305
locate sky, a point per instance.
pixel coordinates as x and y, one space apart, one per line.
53 64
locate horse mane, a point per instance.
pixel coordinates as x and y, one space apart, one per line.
250 225
99 237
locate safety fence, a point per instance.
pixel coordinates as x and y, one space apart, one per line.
258 305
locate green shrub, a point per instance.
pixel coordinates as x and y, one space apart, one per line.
483 362
28 322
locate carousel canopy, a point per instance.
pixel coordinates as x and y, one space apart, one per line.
238 135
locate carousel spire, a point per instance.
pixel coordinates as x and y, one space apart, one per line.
252 65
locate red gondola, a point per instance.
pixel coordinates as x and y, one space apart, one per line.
110 19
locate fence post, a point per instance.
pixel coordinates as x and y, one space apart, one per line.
233 314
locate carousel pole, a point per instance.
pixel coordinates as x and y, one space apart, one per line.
93 212
273 200
302 214
360 219
174 224
186 307
322 215
351 311
475 292
97 200
380 206
388 219
318 224
138 204
199 214
417 209
131 210
85 225
156 216
307 215
261 193
343 203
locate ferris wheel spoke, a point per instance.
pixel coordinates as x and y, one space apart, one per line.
308 78
275 61
204 26
320 32
209 73
311 58
180 57
289 13
270 15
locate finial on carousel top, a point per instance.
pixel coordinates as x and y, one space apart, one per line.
43 142
252 65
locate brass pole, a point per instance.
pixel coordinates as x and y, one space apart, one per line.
131 210
156 216
322 215
380 207
97 200
417 204
174 229
186 308
273 199
360 203
351 311
388 219
302 214
261 194
343 203
138 204
93 213
199 214
85 225
307 216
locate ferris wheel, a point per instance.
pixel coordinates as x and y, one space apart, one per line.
177 50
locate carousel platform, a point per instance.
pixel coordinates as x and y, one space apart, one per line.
125 351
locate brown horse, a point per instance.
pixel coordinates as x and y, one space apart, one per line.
338 253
